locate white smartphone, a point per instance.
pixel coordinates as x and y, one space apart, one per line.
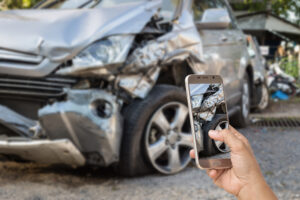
208 111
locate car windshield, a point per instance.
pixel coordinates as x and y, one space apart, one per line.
73 4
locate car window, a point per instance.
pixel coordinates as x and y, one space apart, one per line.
233 19
220 4
199 6
169 8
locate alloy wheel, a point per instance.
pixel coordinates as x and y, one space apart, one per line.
264 99
221 146
168 138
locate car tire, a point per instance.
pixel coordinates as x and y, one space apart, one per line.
241 118
212 147
265 97
137 152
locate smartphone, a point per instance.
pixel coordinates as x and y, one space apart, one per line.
208 111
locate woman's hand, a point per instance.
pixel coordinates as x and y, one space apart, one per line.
244 179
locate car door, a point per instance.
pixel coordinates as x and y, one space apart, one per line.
238 43
218 50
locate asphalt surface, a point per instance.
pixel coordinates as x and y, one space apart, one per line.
277 151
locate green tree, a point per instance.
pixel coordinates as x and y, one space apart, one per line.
17 4
283 8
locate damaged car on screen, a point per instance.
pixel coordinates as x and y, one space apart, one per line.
100 83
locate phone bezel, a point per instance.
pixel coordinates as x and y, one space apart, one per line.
204 163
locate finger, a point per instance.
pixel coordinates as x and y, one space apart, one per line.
241 137
214 173
192 153
226 135
238 134
216 135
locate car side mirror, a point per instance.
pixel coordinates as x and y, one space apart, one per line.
215 18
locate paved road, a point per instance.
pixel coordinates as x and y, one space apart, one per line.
278 152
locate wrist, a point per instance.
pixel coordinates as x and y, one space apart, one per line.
256 190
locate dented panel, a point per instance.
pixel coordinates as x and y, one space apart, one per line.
59 35
183 43
205 107
90 119
209 105
44 151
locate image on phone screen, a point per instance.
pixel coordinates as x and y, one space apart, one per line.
209 112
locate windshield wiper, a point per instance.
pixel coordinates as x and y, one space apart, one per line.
96 2
86 3
39 4
49 5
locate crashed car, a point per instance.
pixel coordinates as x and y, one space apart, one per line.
100 83
209 113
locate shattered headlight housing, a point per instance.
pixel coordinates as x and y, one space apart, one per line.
111 50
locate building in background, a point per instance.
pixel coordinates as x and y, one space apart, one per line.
271 30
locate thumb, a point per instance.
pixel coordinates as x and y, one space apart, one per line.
234 143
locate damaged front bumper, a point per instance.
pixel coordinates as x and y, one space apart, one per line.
85 128
91 120
43 151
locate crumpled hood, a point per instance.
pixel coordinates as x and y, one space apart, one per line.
61 34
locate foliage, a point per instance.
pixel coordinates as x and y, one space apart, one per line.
281 8
17 4
290 67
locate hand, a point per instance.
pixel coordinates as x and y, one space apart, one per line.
244 179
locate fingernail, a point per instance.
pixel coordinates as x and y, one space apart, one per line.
213 133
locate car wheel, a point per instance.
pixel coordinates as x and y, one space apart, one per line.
264 100
241 118
156 133
211 146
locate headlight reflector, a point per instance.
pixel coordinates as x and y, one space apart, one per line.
111 50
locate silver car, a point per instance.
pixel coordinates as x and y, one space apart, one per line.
89 82
260 73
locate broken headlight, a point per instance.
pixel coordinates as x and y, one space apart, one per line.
111 50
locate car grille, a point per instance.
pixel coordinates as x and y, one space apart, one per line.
37 87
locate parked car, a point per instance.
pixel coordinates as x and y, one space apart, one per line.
103 85
260 67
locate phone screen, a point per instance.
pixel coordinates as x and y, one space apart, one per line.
208 112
